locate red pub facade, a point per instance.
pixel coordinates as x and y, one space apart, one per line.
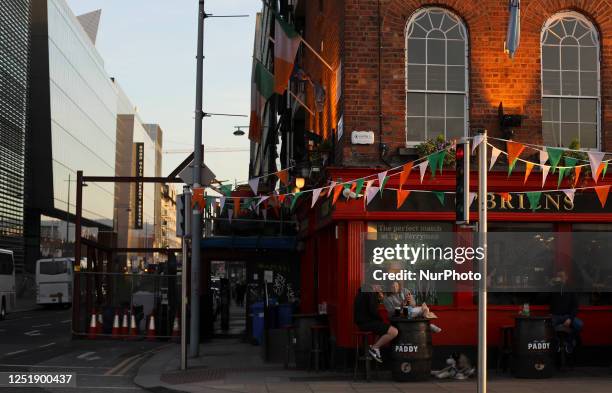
406 72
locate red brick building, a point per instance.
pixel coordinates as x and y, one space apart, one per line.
408 71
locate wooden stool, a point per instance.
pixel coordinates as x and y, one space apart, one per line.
505 348
362 339
318 349
290 330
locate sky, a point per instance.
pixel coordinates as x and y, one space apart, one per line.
149 46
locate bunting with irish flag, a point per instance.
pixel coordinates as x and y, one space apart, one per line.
286 44
262 88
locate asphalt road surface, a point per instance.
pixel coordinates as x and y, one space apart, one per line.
40 340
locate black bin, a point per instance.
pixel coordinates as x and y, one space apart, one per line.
411 350
532 348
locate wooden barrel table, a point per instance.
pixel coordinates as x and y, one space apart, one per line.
411 350
532 347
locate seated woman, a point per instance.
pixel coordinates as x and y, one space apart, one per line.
564 307
400 297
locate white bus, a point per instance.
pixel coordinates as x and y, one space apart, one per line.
54 281
7 283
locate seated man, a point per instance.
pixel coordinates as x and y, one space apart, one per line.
564 307
400 297
368 319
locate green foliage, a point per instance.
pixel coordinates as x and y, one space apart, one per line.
436 144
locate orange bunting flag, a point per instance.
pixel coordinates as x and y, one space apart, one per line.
353 186
236 207
281 199
404 175
599 169
337 190
401 197
528 168
198 197
283 176
514 151
602 194
577 170
332 186
505 196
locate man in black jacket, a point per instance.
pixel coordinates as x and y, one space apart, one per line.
368 319
564 307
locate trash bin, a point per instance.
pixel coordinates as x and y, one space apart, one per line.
257 312
533 355
412 350
285 315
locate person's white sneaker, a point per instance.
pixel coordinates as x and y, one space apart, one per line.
435 328
375 353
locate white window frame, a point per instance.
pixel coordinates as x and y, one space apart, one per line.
549 22
466 92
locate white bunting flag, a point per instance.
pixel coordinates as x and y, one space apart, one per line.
494 154
230 214
262 199
222 202
381 179
315 196
595 158
570 194
543 157
422 169
370 194
254 184
331 188
472 198
477 140
545 169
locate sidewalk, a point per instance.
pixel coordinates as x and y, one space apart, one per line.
228 365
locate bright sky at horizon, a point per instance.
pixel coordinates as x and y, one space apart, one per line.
149 46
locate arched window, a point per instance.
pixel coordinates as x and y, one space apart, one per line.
570 81
436 75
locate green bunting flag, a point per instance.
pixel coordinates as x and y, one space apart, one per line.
209 202
436 161
294 199
359 186
561 175
604 170
570 161
226 190
440 195
554 156
384 183
534 199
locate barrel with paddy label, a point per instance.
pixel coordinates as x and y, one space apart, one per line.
532 347
411 350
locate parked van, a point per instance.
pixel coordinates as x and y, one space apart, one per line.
7 283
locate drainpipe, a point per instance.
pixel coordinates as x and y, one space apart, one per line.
382 147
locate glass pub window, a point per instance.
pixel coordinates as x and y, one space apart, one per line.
436 75
570 81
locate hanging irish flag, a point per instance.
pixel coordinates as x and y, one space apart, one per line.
286 44
262 88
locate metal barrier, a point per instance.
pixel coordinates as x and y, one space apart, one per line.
121 305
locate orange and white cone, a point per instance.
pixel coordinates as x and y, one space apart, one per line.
176 329
125 329
93 325
151 329
100 323
133 328
116 329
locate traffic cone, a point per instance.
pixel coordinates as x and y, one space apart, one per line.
133 328
151 329
93 325
176 329
100 324
125 329
116 329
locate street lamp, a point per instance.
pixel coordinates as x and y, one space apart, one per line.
238 130
299 182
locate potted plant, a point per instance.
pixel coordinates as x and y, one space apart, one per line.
436 144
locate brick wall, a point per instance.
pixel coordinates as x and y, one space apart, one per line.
493 77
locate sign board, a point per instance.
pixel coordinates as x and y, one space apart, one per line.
268 276
183 220
139 194
207 176
340 127
362 137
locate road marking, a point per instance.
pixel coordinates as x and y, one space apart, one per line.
121 365
51 366
84 355
16 352
111 387
32 333
131 364
43 325
66 321
46 345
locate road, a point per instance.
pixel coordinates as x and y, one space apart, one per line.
40 340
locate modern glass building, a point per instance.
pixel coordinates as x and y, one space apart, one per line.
14 62
73 127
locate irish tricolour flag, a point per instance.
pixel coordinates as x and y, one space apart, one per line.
286 44
262 88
